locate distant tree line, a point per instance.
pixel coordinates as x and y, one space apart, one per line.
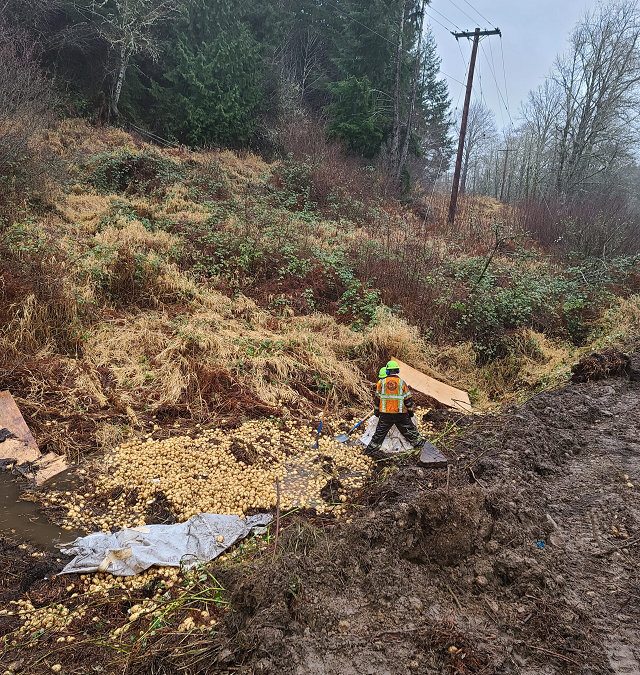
229 73
578 134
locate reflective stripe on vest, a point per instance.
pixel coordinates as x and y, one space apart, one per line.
400 397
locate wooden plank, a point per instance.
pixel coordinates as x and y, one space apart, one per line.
14 448
432 458
11 419
441 392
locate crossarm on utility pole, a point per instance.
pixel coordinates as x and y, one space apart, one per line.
476 35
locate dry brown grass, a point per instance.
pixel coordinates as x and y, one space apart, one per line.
72 138
107 344
170 359
619 326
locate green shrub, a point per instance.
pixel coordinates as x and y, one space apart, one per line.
125 172
545 297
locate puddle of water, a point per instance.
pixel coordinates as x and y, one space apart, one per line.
26 520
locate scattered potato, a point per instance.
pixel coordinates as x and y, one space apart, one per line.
218 471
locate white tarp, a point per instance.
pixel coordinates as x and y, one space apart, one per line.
132 551
395 442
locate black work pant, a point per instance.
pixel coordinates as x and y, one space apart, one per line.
404 425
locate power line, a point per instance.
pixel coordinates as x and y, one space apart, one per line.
506 93
433 9
439 23
492 68
452 78
504 72
477 12
495 79
462 10
482 100
462 55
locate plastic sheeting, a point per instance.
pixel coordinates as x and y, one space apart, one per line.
132 551
395 442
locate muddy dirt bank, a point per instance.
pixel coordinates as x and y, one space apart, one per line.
527 563
522 561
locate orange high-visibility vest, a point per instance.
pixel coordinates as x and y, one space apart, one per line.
392 392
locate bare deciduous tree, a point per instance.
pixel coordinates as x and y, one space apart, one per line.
129 28
481 133
26 98
599 82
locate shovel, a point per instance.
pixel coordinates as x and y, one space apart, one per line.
316 445
343 438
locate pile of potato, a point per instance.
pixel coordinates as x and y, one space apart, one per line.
55 617
83 600
203 475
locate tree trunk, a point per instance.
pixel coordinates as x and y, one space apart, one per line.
395 136
414 89
122 70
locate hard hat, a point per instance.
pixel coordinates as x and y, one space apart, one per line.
393 365
383 372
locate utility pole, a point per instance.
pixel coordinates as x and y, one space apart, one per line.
476 35
504 172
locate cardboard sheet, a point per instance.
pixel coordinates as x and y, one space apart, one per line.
443 393
23 447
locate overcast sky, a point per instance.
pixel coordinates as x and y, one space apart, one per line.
533 33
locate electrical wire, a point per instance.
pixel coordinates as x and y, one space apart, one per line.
504 71
506 93
495 79
433 9
492 67
462 10
462 55
478 12
432 18
482 99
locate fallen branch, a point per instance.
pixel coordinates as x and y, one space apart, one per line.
559 656
453 595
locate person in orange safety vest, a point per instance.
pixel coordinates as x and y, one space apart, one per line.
393 406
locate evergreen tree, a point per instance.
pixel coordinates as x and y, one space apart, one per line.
364 39
354 117
208 87
433 145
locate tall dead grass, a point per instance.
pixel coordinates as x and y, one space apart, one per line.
103 332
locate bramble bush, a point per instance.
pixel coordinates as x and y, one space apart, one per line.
126 172
280 257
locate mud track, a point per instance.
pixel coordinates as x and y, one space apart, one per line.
527 563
